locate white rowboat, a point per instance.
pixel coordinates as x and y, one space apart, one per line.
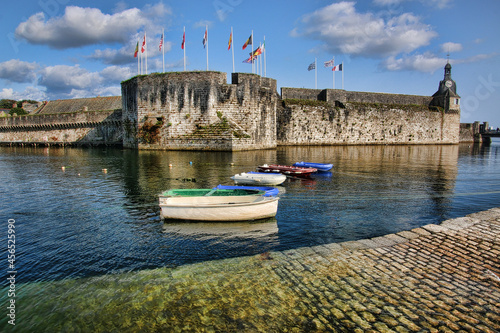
217 205
259 178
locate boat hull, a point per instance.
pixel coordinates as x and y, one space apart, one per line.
258 178
234 209
287 170
320 166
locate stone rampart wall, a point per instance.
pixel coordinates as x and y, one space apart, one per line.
343 96
86 128
365 123
180 104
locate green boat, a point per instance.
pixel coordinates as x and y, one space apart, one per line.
217 204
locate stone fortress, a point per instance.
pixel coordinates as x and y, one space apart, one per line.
201 111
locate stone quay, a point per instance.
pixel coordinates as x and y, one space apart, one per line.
436 278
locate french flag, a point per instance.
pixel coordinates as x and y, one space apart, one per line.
337 68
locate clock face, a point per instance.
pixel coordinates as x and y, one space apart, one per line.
448 83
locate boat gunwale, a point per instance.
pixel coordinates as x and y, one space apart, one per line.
220 205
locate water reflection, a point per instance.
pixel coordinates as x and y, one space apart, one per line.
101 222
201 230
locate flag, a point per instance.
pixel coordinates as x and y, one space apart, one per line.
257 52
337 68
143 48
329 63
183 40
250 60
230 41
311 66
205 38
161 41
249 41
136 50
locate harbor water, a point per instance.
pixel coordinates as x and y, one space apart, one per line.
94 211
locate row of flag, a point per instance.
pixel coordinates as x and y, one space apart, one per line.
252 55
329 63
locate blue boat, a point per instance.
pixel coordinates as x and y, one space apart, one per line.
320 166
269 191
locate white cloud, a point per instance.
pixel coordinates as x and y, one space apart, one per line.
18 71
32 93
86 26
7 93
426 62
343 30
451 47
125 55
64 81
116 74
440 4
63 78
388 2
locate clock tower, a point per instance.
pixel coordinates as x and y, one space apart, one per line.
446 97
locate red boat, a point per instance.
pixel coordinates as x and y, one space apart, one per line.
287 170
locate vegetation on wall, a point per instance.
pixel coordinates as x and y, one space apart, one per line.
404 107
304 102
150 131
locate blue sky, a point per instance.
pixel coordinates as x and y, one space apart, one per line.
57 49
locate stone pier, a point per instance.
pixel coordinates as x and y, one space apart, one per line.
437 278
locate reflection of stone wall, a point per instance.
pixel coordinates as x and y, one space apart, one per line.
86 128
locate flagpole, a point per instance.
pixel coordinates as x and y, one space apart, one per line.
146 48
251 56
333 66
265 62
206 29
184 47
232 46
342 75
163 47
138 57
259 63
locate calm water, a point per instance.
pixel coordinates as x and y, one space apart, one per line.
83 221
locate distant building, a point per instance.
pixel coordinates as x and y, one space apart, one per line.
31 107
446 97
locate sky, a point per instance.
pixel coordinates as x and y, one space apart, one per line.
60 49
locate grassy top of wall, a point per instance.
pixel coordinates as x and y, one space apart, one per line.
304 102
405 107
172 73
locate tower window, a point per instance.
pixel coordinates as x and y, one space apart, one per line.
457 101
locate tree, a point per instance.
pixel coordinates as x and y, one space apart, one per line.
7 103
18 111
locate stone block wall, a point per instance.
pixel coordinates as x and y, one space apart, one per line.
179 105
343 96
364 123
75 128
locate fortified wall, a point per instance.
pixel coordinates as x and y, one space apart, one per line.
82 121
199 111
334 116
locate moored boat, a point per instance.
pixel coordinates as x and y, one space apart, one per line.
258 178
217 205
320 166
287 170
269 191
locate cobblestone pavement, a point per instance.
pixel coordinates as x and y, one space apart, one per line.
437 278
